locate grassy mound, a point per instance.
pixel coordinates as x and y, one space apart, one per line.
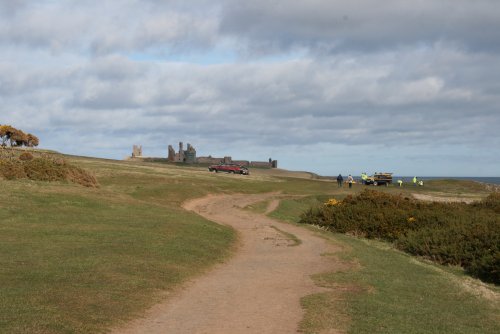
44 169
447 233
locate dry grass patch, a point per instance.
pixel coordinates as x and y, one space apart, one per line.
43 168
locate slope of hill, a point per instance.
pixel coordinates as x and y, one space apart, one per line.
82 260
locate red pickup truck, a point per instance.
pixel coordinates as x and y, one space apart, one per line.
229 168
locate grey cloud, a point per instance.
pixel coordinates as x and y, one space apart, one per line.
255 27
11 7
115 68
369 101
324 25
107 27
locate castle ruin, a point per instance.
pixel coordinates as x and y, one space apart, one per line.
188 156
136 151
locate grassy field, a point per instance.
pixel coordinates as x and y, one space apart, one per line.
77 260
389 292
80 260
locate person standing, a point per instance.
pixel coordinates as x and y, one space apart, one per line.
415 181
350 180
400 182
340 180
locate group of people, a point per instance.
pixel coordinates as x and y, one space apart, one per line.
340 180
364 177
415 182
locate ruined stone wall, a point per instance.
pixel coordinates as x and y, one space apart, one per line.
214 160
171 153
260 164
245 163
228 160
189 156
179 156
136 151
209 160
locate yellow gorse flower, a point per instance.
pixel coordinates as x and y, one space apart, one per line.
411 220
332 202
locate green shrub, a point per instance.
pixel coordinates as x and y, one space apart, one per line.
447 233
491 202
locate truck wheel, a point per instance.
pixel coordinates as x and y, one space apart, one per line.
375 183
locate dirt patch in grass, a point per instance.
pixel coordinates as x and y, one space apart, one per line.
445 198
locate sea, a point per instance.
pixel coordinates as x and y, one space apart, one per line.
490 180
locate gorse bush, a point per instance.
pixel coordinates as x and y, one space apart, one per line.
26 156
45 169
448 233
491 202
15 137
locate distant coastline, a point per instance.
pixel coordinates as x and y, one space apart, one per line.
489 180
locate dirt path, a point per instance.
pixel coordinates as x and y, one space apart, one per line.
445 198
257 291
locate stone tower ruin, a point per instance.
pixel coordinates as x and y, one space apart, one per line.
136 151
187 156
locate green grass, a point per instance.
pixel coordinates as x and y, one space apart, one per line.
77 262
448 233
259 207
81 260
401 295
387 291
290 209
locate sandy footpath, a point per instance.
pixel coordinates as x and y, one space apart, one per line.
257 291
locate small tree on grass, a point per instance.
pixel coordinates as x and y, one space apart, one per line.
14 137
6 132
33 140
18 138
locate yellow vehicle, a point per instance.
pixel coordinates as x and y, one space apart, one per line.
378 179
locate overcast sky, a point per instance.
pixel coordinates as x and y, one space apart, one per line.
411 87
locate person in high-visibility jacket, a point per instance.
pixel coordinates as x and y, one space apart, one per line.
414 180
364 176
